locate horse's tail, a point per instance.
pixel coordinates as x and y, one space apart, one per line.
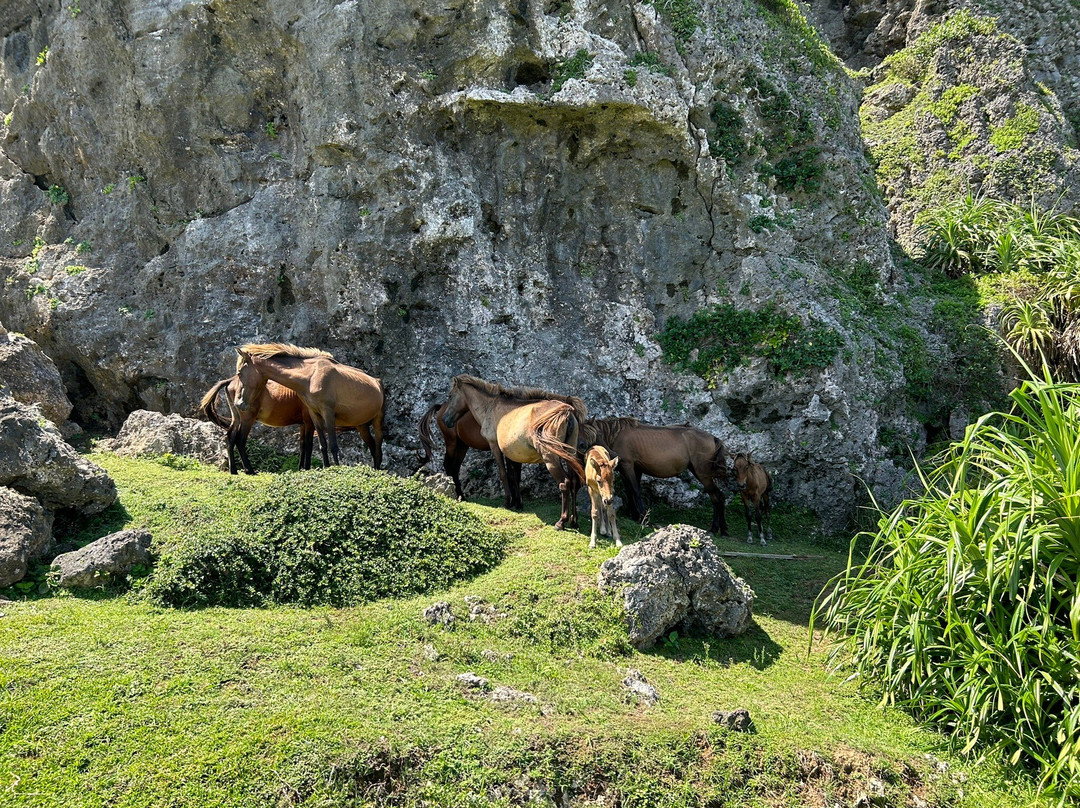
557 422
425 435
208 405
718 462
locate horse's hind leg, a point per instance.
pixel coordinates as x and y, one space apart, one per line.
766 504
613 525
369 441
555 469
307 434
377 429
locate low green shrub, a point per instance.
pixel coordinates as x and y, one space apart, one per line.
573 68
333 536
966 610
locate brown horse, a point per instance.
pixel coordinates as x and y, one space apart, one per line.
600 478
519 427
661 451
465 435
275 406
337 395
755 488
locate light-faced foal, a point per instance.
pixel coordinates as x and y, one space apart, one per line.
600 478
755 488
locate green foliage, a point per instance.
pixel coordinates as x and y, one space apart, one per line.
788 17
799 171
82 247
108 189
724 337
75 269
684 16
1014 131
335 536
572 68
912 63
271 130
651 62
43 56
57 195
725 139
134 180
967 610
630 77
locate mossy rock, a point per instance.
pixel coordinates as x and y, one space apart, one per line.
334 536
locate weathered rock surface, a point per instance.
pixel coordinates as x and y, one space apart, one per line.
35 460
676 580
636 684
737 720
152 433
439 613
25 533
103 561
31 376
405 186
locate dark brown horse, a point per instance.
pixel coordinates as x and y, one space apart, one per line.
336 395
755 488
275 406
661 451
525 429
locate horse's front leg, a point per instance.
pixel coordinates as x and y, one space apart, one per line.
555 469
613 525
597 518
330 425
500 464
241 445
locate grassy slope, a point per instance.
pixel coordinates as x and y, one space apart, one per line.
110 701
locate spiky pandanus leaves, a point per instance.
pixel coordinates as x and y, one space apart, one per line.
966 610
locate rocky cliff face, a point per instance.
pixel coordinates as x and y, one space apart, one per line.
965 96
527 191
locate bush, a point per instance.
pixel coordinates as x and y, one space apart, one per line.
334 536
966 610
724 337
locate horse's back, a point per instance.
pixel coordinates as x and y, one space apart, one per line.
664 451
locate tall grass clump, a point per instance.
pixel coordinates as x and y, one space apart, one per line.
972 235
966 609
333 536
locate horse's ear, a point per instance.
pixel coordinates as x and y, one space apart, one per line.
243 354
615 461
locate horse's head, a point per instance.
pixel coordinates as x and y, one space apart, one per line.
742 469
252 382
456 404
600 473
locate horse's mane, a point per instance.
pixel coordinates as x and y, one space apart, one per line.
524 393
270 349
604 430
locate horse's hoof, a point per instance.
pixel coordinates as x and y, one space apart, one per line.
559 525
750 540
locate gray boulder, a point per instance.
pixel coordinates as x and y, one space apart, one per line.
36 461
154 433
25 533
675 579
99 562
32 377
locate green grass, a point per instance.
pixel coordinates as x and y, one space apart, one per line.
109 700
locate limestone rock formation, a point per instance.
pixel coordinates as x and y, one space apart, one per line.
36 461
25 533
152 433
31 376
103 561
676 580
531 193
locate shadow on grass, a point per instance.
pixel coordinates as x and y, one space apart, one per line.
755 648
